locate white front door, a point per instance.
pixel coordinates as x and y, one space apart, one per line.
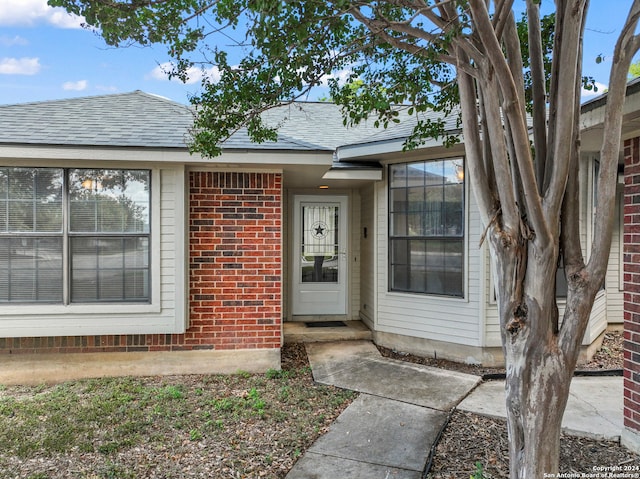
319 262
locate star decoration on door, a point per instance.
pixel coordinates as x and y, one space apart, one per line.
319 229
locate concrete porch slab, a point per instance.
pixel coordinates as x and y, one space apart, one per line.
299 332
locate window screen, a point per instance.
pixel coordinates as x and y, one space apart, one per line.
94 222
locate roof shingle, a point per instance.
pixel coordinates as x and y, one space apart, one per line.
139 119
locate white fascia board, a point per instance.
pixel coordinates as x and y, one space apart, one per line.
373 149
353 174
592 118
362 150
164 155
595 117
48 152
270 157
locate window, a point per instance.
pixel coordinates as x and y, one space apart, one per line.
426 227
74 235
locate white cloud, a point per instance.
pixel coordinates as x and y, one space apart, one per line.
6 41
75 85
19 66
32 12
341 75
107 88
602 88
160 72
194 74
62 19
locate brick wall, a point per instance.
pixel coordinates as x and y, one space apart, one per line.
235 271
235 260
632 284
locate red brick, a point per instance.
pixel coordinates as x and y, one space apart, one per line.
632 283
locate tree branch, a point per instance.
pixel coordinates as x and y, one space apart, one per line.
570 246
571 32
499 150
378 28
486 145
538 90
512 108
481 184
502 16
593 275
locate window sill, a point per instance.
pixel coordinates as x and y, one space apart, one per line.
88 320
9 309
427 296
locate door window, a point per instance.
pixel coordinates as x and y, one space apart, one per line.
319 249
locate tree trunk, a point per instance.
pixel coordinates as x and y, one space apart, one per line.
539 371
537 388
537 392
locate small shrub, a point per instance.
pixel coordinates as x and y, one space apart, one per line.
256 402
223 404
171 392
277 374
479 474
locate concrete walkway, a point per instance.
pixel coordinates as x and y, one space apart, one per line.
388 431
594 408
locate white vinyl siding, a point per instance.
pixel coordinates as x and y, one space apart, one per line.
167 311
286 255
492 325
597 319
367 255
170 223
614 281
588 172
354 288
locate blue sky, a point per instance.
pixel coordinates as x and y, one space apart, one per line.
44 55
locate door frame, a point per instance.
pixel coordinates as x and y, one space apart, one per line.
295 242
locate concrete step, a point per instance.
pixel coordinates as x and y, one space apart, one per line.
299 332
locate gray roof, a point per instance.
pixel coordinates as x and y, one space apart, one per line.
139 119
129 119
404 129
318 122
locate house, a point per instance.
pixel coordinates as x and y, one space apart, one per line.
122 253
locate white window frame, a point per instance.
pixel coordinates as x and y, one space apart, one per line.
82 319
463 238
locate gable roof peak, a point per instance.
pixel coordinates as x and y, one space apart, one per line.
90 98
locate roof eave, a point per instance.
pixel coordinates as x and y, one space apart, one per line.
370 150
632 87
353 174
